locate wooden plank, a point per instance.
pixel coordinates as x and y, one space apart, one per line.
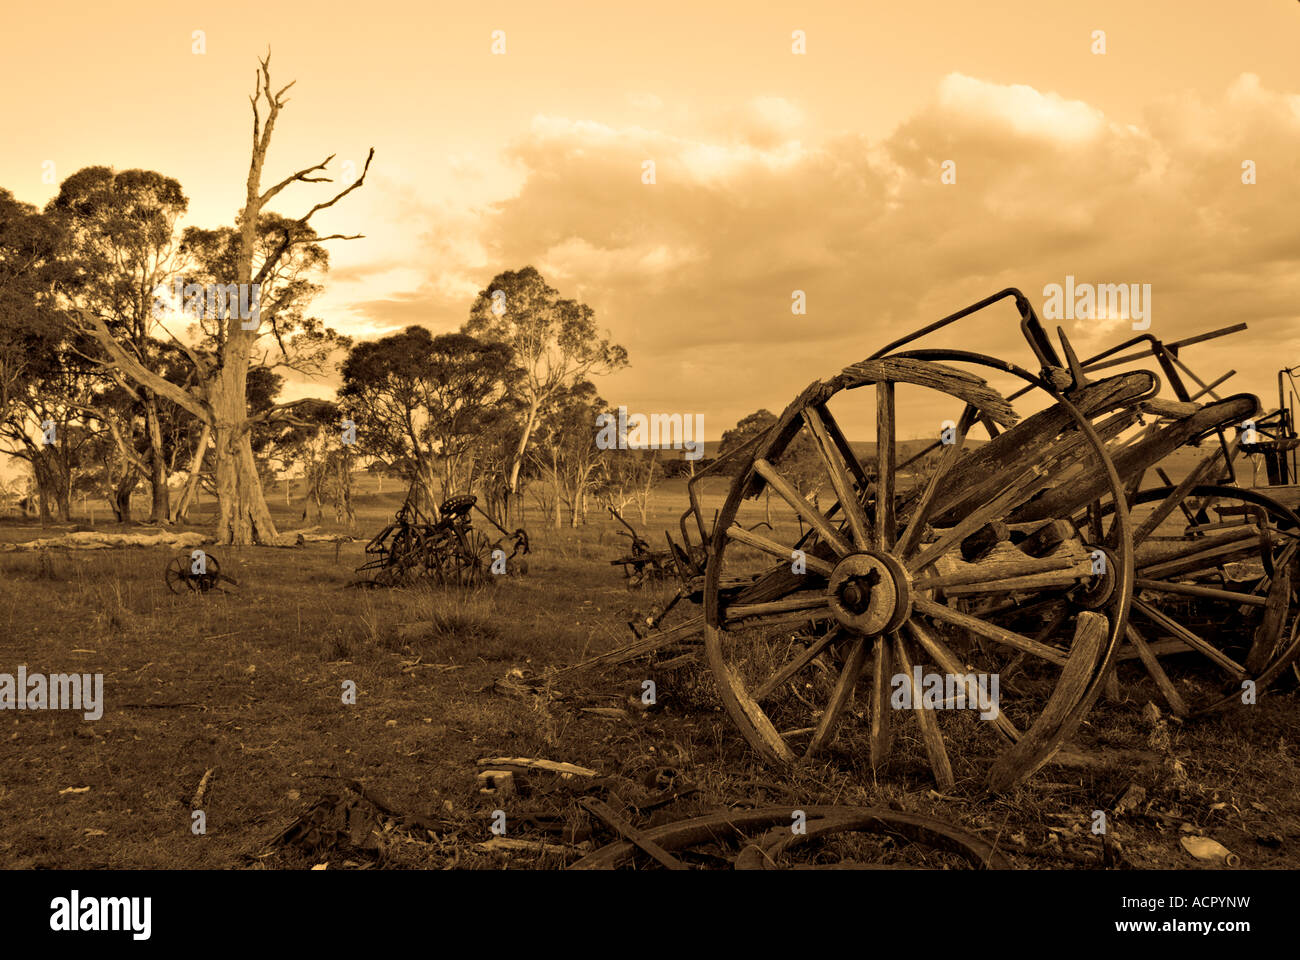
603 812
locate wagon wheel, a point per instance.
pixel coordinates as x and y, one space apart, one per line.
177 575
1221 588
402 565
473 559
179 578
871 569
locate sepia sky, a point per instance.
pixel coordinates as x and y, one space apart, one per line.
774 171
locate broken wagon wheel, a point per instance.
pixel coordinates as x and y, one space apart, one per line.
874 573
764 853
1186 602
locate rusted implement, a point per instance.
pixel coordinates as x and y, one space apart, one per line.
640 564
194 572
414 548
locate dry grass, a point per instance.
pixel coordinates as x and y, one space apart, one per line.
249 682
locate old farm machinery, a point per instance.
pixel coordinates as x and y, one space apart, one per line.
447 551
1044 554
195 572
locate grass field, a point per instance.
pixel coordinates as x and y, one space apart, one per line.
248 683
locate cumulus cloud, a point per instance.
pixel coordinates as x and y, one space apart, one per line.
694 274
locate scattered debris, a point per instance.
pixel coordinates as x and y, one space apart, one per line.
1209 851
567 771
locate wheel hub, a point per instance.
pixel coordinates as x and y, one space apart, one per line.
870 593
1097 592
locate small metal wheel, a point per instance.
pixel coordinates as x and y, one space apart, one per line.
474 562
180 578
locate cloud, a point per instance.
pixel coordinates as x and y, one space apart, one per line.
694 274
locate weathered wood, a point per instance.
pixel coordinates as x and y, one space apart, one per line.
780 550
1030 479
739 611
985 470
920 510
1157 673
840 696
1061 501
530 763
796 664
1162 551
987 630
931 735
841 482
985 539
1276 607
949 662
639 648
1196 590
1225 662
881 723
1007 570
1059 716
745 711
603 812
1044 539
961 384
1197 475
884 532
1202 560
786 491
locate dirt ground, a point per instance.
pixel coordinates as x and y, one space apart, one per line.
248 684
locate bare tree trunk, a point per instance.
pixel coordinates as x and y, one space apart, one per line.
517 461
160 511
192 481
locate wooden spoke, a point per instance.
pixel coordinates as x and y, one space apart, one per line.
1149 660
1236 670
1176 496
921 512
1196 590
786 491
881 728
797 663
767 545
884 530
929 723
841 482
949 662
988 630
840 696
740 611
